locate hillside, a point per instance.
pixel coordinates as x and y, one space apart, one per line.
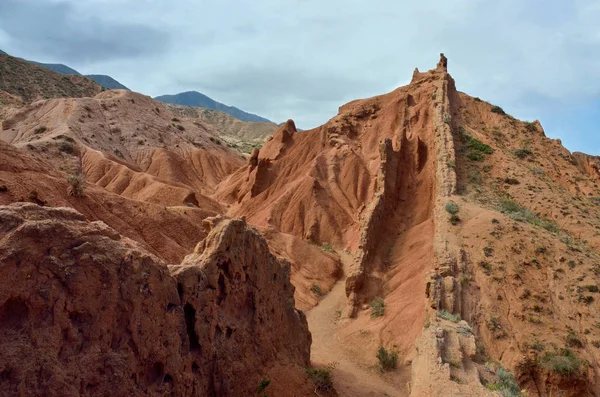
57 67
244 135
105 81
193 98
424 222
30 83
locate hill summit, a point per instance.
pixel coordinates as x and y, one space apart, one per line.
194 98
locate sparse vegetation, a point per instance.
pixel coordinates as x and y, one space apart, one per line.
3 188
76 183
316 289
452 208
522 153
40 130
498 110
175 120
388 360
66 147
507 385
529 126
522 214
327 247
180 127
455 318
377 307
564 362
321 378
263 385
475 156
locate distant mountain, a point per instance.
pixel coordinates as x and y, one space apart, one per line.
102 79
107 82
194 98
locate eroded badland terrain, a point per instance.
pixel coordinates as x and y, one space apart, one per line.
420 243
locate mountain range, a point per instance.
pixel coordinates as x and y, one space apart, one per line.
189 98
194 98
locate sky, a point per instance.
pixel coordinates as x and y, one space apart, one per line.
302 59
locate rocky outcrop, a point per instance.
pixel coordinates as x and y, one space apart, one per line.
85 311
444 365
239 308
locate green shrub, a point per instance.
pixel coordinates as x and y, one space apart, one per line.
508 385
263 385
321 378
522 153
327 247
180 127
316 289
387 359
449 316
475 156
480 146
377 307
564 362
518 213
452 208
498 110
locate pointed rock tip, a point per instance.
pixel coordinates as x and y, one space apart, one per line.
443 63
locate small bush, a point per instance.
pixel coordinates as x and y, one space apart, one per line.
480 146
511 181
388 360
475 156
449 316
3 188
316 289
452 208
66 147
40 130
76 184
508 385
522 153
529 126
454 219
498 110
327 247
175 120
592 288
377 307
321 378
564 362
263 385
180 127
573 340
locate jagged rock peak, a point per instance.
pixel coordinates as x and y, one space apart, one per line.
443 63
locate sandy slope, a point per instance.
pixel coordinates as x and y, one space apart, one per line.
352 377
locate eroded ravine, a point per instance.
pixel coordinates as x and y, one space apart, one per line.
350 378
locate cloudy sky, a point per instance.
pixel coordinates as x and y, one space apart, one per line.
302 59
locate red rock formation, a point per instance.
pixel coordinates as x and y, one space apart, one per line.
85 311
